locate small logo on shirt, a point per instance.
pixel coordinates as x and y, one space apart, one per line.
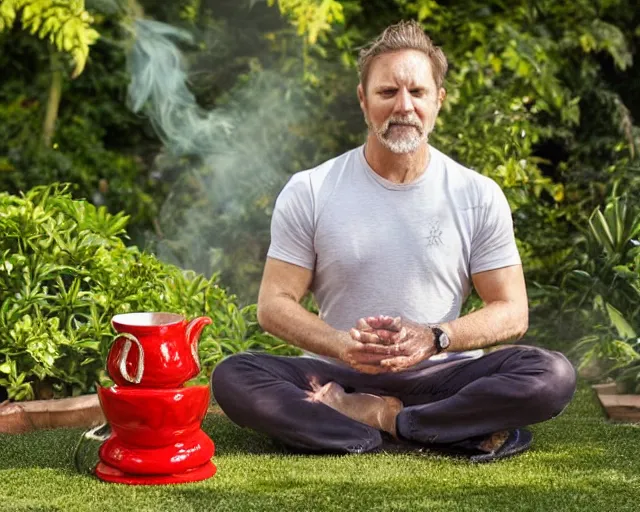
434 233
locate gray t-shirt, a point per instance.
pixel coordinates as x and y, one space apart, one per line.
382 248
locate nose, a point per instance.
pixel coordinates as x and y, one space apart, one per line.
404 101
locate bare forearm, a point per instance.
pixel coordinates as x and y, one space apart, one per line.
495 323
288 320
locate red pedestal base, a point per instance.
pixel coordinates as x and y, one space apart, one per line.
191 453
111 474
156 436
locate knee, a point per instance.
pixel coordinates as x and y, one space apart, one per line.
246 391
555 382
227 376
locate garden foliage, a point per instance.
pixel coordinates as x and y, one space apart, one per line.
67 25
541 98
65 272
599 295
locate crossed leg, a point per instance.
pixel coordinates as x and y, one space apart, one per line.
292 399
376 411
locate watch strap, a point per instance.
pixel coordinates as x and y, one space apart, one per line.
437 333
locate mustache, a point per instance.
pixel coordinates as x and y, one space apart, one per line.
411 120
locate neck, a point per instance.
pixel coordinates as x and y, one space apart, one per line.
393 167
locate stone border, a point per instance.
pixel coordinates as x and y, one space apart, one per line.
76 412
623 408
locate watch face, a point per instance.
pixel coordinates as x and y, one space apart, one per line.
444 340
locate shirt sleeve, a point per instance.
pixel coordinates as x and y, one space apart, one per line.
494 243
292 226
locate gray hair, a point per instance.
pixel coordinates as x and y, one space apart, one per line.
406 35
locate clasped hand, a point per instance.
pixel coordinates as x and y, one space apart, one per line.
381 344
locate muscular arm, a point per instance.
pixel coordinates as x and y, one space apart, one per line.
504 317
280 313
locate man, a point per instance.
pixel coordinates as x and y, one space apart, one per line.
390 238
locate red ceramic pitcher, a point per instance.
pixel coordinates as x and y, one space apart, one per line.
155 350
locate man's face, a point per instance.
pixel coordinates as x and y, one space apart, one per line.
401 102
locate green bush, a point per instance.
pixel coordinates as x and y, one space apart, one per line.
64 273
597 301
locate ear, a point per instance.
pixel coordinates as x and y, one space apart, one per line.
442 95
361 97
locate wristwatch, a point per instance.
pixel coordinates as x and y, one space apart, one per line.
441 338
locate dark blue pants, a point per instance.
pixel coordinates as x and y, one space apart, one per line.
445 402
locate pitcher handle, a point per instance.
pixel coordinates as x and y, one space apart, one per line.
193 343
122 361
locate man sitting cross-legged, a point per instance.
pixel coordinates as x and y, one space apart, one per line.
390 237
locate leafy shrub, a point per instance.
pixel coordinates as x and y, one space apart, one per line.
598 298
64 273
98 145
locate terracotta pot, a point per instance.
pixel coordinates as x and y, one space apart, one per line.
154 350
153 418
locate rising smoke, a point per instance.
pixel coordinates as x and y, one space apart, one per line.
226 164
159 87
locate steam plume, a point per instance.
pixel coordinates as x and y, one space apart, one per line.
159 85
227 160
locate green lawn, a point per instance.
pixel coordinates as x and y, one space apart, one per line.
578 462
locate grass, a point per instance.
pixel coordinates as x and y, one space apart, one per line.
579 461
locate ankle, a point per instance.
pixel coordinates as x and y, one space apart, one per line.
390 415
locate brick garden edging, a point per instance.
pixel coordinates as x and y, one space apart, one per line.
624 408
77 412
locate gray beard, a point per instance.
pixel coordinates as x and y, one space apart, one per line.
402 146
